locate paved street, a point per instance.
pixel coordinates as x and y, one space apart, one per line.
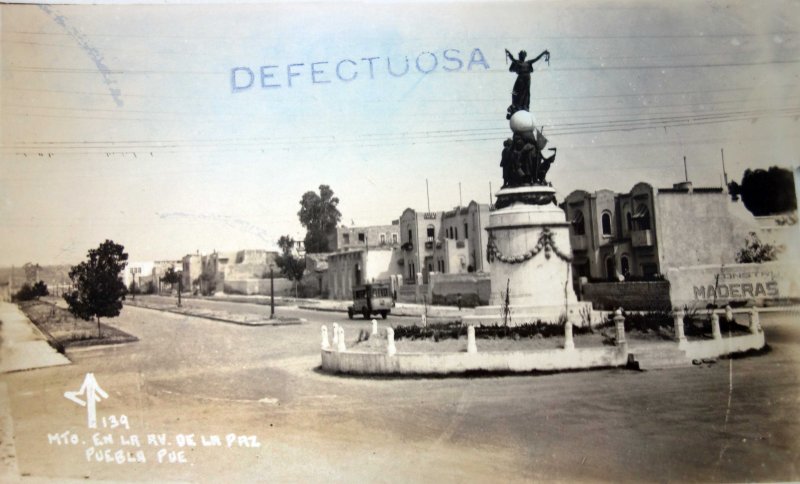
735 420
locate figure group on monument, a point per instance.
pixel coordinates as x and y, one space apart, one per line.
522 160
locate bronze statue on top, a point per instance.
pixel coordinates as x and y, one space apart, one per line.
522 159
521 94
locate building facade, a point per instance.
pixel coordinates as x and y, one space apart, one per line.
418 234
461 244
643 233
371 236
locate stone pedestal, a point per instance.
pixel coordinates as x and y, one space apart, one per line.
530 255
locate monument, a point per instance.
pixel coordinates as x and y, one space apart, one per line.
528 244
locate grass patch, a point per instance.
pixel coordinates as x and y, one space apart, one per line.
65 331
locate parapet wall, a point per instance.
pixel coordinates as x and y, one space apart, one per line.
637 296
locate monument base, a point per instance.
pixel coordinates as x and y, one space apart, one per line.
530 258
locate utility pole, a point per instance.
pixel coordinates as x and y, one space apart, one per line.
428 195
180 286
685 170
724 173
271 293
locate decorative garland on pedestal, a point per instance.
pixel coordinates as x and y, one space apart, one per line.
545 243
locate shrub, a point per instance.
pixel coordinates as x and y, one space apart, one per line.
454 330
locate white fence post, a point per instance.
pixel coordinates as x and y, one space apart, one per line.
471 346
619 325
569 344
391 349
755 321
374 327
325 344
679 333
715 326
340 346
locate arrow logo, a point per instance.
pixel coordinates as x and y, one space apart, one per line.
93 393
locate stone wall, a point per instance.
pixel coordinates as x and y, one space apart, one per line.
629 295
444 287
283 287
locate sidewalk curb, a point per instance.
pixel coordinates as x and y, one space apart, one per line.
298 321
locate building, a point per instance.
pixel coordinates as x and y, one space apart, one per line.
461 244
642 233
349 268
371 236
418 233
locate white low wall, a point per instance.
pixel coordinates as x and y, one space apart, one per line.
372 363
715 348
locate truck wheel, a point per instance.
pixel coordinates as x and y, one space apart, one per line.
384 314
350 313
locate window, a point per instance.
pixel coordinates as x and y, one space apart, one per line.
606 223
431 230
345 239
383 239
466 231
394 238
456 233
409 235
578 223
362 237
642 218
629 220
611 269
625 265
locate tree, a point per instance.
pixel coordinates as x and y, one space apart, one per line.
756 251
99 290
766 192
319 215
172 277
292 268
40 290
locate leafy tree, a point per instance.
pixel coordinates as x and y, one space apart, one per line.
172 277
291 267
766 192
319 215
40 290
99 290
756 251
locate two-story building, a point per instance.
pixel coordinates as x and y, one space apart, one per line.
642 233
461 244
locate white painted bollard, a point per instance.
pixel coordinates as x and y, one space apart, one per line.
391 349
374 327
755 321
340 346
471 346
335 334
679 333
715 326
424 321
619 325
569 344
325 344
729 313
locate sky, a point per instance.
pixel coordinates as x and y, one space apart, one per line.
184 128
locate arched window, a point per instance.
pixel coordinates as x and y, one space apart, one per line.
629 220
431 232
625 266
606 223
578 223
